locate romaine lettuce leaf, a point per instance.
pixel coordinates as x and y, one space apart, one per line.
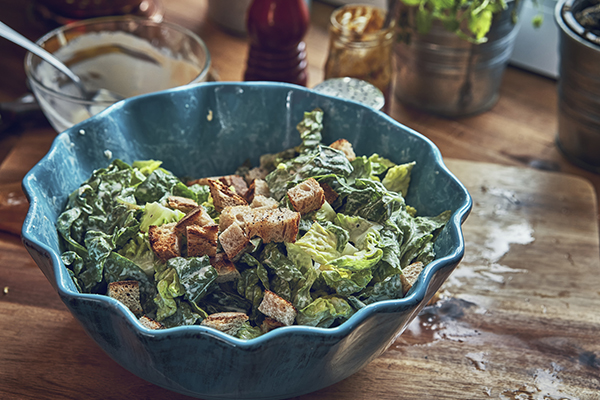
379 164
324 311
247 331
139 252
221 300
416 233
159 185
345 282
118 268
320 244
184 314
388 289
370 200
362 168
275 260
397 178
248 286
146 167
301 296
201 193
310 130
168 288
196 276
157 214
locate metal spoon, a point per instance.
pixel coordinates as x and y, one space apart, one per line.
15 37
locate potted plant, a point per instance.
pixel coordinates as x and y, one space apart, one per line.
579 83
451 54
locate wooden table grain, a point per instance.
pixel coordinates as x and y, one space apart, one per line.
518 319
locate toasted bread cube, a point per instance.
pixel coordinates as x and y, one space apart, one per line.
200 181
330 194
228 322
182 204
223 196
233 215
277 308
226 270
150 323
306 196
128 293
255 173
233 240
270 224
261 201
257 187
202 240
197 216
274 225
238 183
409 276
269 324
345 147
164 241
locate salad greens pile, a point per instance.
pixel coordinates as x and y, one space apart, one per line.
348 254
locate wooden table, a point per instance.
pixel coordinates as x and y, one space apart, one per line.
519 318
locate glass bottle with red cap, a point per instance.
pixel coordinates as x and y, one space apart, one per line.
276 29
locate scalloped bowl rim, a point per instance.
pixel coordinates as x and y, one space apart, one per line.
415 296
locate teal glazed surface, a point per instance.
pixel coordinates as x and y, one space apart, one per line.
207 130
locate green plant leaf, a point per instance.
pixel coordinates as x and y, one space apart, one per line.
480 23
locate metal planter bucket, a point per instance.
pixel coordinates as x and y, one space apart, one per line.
443 74
578 89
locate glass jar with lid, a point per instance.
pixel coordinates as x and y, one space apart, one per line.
361 46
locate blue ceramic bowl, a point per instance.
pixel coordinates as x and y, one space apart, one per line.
247 120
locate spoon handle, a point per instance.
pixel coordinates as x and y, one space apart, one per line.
15 37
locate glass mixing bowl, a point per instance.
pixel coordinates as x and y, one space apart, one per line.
127 55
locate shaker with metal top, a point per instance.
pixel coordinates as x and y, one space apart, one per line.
361 46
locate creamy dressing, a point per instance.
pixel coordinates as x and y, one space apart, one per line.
119 62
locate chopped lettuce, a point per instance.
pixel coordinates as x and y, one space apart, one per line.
348 254
397 178
324 311
157 214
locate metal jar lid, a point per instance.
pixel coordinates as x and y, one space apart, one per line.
352 89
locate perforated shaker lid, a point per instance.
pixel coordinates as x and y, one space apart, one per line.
353 89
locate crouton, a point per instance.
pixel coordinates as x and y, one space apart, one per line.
164 241
150 323
238 183
277 308
257 187
128 293
240 223
345 147
198 216
256 173
274 225
232 215
233 240
200 181
306 196
228 322
223 196
330 194
409 276
226 270
201 240
269 324
261 201
182 204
